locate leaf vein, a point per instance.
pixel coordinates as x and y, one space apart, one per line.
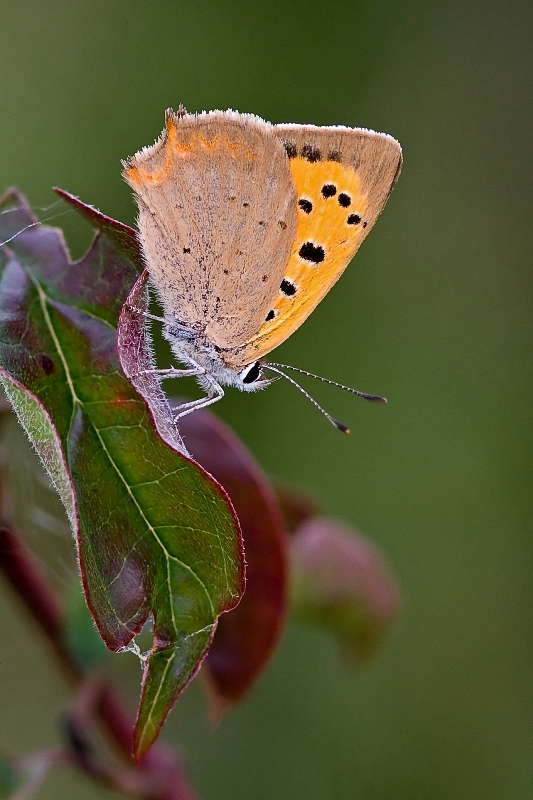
43 299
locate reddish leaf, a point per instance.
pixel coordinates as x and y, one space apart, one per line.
245 638
296 506
122 236
137 362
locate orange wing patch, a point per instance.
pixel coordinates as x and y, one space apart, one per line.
331 226
172 146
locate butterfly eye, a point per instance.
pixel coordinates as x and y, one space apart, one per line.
250 374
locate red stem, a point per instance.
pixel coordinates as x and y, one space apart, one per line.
21 570
164 776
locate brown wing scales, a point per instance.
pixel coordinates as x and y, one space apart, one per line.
217 217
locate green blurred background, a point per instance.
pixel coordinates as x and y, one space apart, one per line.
435 313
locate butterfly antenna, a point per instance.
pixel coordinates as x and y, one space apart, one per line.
374 398
335 422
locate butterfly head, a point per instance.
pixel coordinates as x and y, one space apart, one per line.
253 377
194 348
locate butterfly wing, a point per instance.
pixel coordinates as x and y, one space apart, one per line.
217 218
342 177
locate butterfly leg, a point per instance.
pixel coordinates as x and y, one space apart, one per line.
171 372
214 393
146 314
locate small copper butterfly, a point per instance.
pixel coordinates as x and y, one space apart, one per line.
245 226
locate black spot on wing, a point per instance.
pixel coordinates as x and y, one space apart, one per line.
305 205
313 253
290 148
287 288
344 200
271 314
353 219
328 190
311 153
335 155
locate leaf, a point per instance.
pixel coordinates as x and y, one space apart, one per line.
341 582
245 638
156 535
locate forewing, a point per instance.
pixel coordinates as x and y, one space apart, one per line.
342 178
217 217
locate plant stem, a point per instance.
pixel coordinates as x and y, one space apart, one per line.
160 775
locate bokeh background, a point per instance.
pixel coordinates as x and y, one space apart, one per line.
435 313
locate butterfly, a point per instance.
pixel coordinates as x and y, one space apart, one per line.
245 226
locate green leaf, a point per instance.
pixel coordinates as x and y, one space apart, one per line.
156 534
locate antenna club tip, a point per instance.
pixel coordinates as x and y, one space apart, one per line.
341 427
374 398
